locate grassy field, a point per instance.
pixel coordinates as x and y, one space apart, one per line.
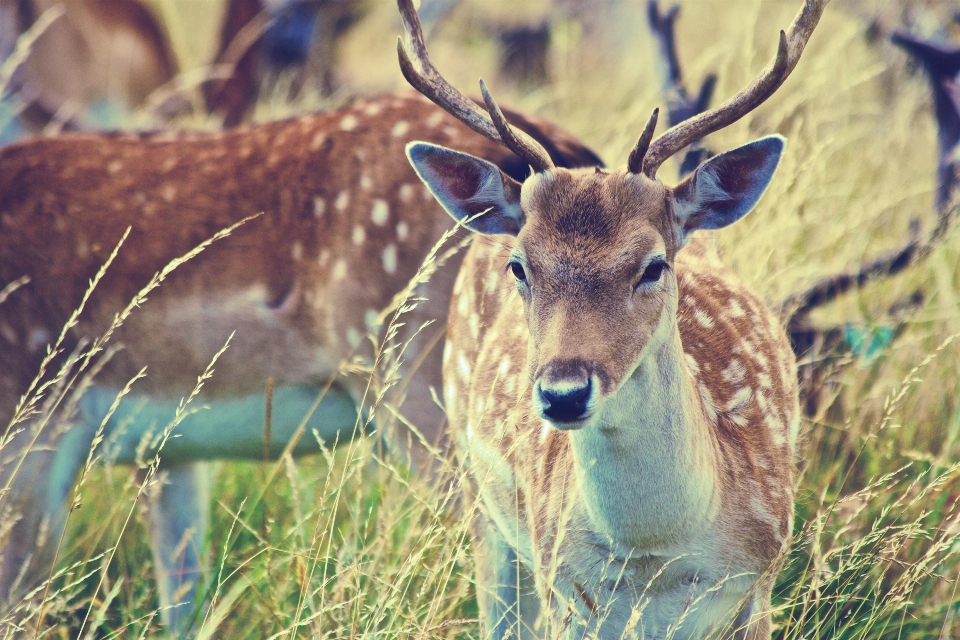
343 544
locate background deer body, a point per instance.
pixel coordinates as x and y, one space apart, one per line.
627 419
337 213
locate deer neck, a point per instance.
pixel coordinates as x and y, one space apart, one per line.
646 469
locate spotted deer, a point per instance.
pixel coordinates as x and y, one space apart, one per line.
625 409
345 225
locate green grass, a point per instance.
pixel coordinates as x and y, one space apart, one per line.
345 545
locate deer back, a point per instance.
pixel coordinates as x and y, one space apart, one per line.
344 225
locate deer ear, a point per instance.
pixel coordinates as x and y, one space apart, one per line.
466 186
725 188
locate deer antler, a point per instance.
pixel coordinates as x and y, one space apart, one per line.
763 86
424 77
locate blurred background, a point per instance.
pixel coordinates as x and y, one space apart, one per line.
372 553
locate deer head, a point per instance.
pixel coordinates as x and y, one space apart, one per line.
594 250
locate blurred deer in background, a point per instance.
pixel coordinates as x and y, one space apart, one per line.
629 422
98 50
820 349
345 227
119 52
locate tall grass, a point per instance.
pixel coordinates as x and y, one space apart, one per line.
347 544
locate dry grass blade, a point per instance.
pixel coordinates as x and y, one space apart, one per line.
8 290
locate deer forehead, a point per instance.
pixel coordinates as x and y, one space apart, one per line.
594 221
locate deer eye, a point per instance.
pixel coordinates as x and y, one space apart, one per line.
518 271
653 272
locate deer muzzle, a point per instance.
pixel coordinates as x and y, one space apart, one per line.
566 394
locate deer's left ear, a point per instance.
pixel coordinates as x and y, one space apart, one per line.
726 187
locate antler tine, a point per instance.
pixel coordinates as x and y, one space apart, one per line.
763 86
424 77
636 156
516 140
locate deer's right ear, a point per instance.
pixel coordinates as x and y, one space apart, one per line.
466 186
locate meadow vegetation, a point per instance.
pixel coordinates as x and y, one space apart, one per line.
346 544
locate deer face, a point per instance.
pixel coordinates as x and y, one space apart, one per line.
593 257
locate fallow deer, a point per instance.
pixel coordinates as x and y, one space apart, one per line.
344 228
119 51
624 408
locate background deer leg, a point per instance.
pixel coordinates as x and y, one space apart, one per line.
506 593
177 510
33 513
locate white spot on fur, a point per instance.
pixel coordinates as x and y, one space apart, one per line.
463 307
474 325
739 399
450 132
340 270
296 251
359 235
390 259
435 118
380 212
734 371
464 366
324 257
319 206
114 166
169 192
406 192
349 122
318 141
372 109
366 182
736 311
343 200
403 230
399 129
447 350
703 318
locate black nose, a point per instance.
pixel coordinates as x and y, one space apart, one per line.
567 404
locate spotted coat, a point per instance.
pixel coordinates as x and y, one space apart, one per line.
741 370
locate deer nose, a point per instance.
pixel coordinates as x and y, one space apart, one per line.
567 401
